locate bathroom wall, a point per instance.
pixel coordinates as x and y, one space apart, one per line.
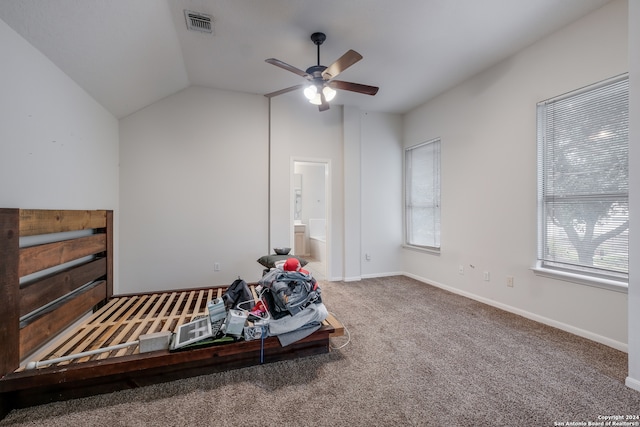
313 190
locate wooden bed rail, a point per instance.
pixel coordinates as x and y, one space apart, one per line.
39 298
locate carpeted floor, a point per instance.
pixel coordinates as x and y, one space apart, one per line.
418 356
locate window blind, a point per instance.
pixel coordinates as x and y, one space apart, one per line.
583 181
422 194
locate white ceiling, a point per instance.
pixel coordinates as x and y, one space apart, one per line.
130 53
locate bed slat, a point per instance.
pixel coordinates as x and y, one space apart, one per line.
41 257
65 345
71 342
187 308
40 292
164 315
139 320
102 335
38 221
177 308
156 313
124 333
201 295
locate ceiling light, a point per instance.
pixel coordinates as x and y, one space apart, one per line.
329 93
311 92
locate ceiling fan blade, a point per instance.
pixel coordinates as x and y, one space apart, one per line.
324 105
288 67
354 87
281 91
344 62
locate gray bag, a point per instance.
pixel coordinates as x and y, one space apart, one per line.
291 291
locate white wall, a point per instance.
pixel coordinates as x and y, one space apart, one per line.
299 131
193 190
488 131
373 193
194 186
58 147
352 193
365 151
633 380
381 192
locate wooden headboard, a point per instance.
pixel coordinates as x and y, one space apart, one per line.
50 280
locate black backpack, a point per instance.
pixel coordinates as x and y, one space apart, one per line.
238 293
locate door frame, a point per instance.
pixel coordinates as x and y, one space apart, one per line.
327 213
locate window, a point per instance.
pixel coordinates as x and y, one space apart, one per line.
583 182
422 195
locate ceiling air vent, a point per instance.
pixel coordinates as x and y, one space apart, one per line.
198 21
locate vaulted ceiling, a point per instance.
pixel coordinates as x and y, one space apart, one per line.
128 54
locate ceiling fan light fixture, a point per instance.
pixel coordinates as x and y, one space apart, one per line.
316 100
312 94
329 93
321 78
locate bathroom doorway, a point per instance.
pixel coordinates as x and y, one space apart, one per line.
310 193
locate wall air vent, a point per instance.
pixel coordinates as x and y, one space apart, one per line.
197 21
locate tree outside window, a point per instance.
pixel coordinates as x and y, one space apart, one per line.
584 181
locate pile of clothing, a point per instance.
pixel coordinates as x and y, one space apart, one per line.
289 306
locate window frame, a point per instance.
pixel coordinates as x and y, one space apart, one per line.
612 281
407 242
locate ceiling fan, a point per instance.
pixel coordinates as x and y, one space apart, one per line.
321 84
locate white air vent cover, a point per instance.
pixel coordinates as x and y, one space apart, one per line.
197 21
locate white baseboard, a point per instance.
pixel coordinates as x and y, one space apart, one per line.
554 323
632 383
389 274
366 276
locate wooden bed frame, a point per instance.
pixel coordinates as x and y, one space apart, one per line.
56 268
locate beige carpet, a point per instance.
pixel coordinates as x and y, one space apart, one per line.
418 356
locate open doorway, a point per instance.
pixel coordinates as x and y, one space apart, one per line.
310 212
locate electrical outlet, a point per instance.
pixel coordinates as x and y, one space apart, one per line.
510 281
487 276
367 257
461 269
216 266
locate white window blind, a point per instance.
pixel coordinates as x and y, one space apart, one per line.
422 195
583 181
